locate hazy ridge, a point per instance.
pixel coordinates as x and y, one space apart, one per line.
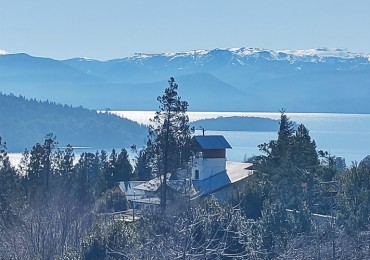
26 122
239 79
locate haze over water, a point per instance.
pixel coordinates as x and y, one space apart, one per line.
344 135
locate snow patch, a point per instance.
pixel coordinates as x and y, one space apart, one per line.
323 53
2 52
240 61
240 55
82 59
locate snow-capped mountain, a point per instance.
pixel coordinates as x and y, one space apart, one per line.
316 80
308 55
229 65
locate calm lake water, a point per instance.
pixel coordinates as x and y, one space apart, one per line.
344 135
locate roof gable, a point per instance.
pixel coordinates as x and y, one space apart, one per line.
209 142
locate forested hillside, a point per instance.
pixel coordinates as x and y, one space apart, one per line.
24 122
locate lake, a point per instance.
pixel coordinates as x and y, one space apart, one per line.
344 135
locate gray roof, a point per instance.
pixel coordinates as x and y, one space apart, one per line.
235 171
210 142
128 187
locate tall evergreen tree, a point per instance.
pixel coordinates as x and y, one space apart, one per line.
87 174
278 151
111 169
39 169
304 153
123 167
67 156
290 164
354 197
282 151
143 171
169 138
9 188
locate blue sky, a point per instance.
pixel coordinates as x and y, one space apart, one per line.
118 28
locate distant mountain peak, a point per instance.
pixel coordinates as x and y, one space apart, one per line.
324 52
311 55
141 55
2 52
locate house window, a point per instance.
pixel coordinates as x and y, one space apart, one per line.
196 174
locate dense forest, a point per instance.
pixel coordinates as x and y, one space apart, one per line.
25 122
300 203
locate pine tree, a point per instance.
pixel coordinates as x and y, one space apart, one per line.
143 171
290 164
169 138
10 191
86 178
304 153
284 141
354 198
123 167
111 169
278 151
40 170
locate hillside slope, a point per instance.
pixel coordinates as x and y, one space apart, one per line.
26 122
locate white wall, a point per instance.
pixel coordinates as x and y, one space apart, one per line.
208 167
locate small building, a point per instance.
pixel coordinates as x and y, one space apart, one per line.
210 156
210 173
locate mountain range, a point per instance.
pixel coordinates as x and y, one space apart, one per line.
235 79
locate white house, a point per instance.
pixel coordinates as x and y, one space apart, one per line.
210 156
210 173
